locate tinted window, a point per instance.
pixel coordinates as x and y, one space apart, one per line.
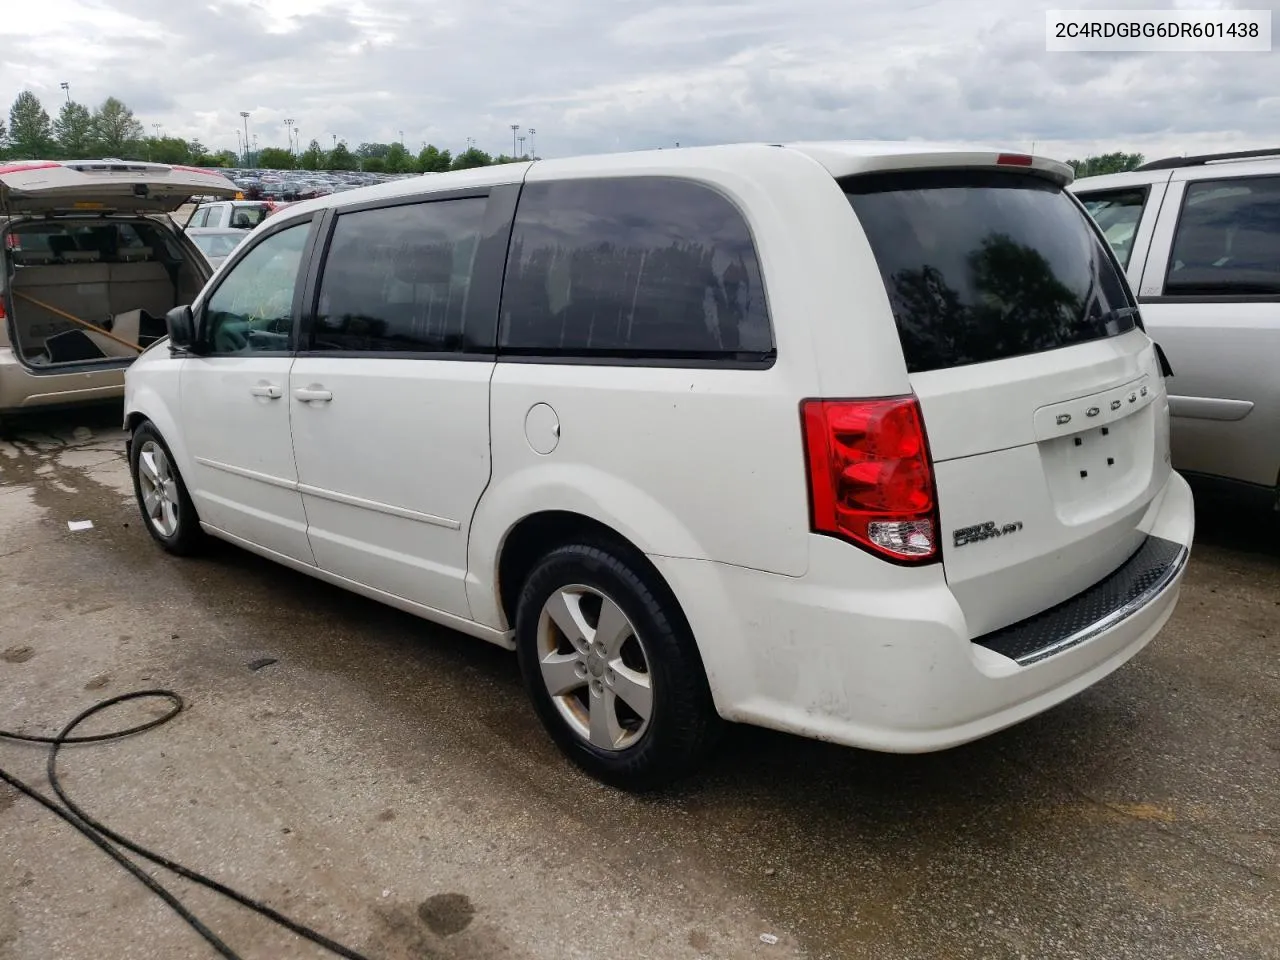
641 267
1228 239
251 311
980 266
1117 214
396 278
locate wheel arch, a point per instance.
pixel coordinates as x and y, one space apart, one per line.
533 511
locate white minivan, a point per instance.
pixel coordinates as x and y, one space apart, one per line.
860 441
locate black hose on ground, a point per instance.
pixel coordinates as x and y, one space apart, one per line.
110 842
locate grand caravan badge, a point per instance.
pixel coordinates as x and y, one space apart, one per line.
984 531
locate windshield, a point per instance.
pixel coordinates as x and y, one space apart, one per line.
986 265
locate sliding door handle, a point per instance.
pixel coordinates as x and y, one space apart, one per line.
313 394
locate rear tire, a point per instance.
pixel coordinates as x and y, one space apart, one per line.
612 668
167 511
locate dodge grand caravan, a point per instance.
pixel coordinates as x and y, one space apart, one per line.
860 441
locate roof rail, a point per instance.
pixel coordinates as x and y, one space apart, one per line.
1171 163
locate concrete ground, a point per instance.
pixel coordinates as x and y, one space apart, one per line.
385 781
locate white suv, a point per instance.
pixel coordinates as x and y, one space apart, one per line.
859 441
1200 240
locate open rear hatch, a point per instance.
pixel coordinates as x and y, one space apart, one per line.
1042 398
108 186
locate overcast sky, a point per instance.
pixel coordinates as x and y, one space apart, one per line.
599 75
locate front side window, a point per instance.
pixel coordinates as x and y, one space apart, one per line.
1117 213
251 311
1228 240
644 267
396 279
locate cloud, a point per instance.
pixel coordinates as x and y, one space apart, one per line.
594 75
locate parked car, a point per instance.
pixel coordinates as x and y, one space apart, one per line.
230 215
1200 241
857 441
91 264
215 243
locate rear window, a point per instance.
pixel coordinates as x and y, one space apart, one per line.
987 265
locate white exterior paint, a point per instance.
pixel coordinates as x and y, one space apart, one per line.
401 479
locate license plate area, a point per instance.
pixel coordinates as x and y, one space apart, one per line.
1099 470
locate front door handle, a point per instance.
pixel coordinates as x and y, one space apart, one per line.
313 394
269 390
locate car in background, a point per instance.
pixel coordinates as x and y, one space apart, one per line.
92 262
216 243
230 215
1199 238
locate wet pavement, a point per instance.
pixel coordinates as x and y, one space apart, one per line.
385 781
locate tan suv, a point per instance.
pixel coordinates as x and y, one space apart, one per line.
92 263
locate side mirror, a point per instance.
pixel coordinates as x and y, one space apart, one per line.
181 326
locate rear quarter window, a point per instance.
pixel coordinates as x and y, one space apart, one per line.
633 268
986 265
1117 213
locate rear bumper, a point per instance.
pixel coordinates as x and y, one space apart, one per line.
888 664
21 389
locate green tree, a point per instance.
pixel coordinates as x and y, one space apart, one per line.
367 150
118 131
340 158
398 160
4 139
74 131
227 158
1117 162
474 157
30 132
433 160
373 165
196 148
168 150
276 158
313 157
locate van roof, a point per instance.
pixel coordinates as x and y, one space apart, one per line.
841 158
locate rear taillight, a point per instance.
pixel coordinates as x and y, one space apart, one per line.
870 477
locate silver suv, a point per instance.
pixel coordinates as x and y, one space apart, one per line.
1199 238
92 262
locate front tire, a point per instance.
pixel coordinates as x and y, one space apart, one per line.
166 507
612 668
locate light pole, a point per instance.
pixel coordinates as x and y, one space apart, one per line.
515 128
245 116
67 87
289 133
239 145
254 155
520 155
533 144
